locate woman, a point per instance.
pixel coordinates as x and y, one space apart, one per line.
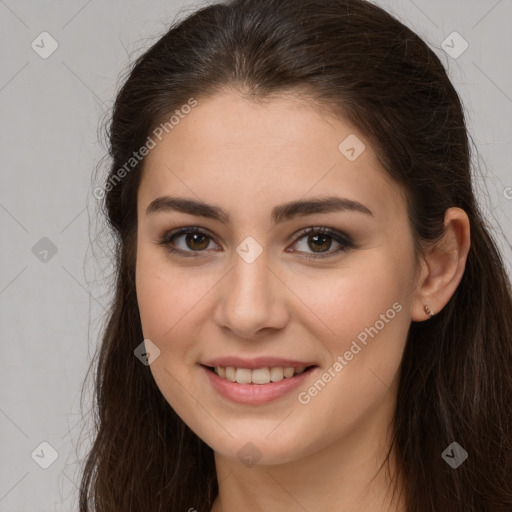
310 313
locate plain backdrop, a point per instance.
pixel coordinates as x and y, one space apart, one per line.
54 273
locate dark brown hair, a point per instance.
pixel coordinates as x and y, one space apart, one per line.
356 60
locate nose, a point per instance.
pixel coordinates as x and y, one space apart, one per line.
251 300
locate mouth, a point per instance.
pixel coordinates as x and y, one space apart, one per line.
259 376
257 386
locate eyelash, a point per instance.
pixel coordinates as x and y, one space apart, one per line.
344 241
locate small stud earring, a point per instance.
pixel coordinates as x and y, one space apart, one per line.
428 311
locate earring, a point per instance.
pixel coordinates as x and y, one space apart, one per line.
428 311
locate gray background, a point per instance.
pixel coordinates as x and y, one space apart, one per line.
52 305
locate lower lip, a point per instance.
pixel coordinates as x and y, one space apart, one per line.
255 394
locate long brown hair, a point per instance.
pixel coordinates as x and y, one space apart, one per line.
356 60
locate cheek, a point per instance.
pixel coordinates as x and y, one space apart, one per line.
361 317
159 310
163 294
155 297
364 328
166 305
173 302
344 303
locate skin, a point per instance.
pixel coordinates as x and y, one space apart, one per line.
248 157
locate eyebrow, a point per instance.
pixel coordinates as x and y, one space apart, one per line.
279 214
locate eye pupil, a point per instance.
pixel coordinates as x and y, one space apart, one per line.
192 238
321 237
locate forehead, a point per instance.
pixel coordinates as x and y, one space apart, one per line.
247 155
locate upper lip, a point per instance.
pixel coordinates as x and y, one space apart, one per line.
257 362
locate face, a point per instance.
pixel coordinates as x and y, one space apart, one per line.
254 284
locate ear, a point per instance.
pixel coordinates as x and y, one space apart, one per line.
443 266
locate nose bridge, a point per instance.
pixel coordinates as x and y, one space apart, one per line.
251 279
249 300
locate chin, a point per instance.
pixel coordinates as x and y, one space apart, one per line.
260 448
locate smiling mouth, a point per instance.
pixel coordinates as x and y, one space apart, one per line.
260 376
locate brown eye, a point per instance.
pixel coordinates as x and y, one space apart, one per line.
186 241
315 242
196 241
318 243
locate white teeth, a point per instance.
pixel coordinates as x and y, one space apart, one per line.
276 373
259 375
288 372
230 374
243 376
